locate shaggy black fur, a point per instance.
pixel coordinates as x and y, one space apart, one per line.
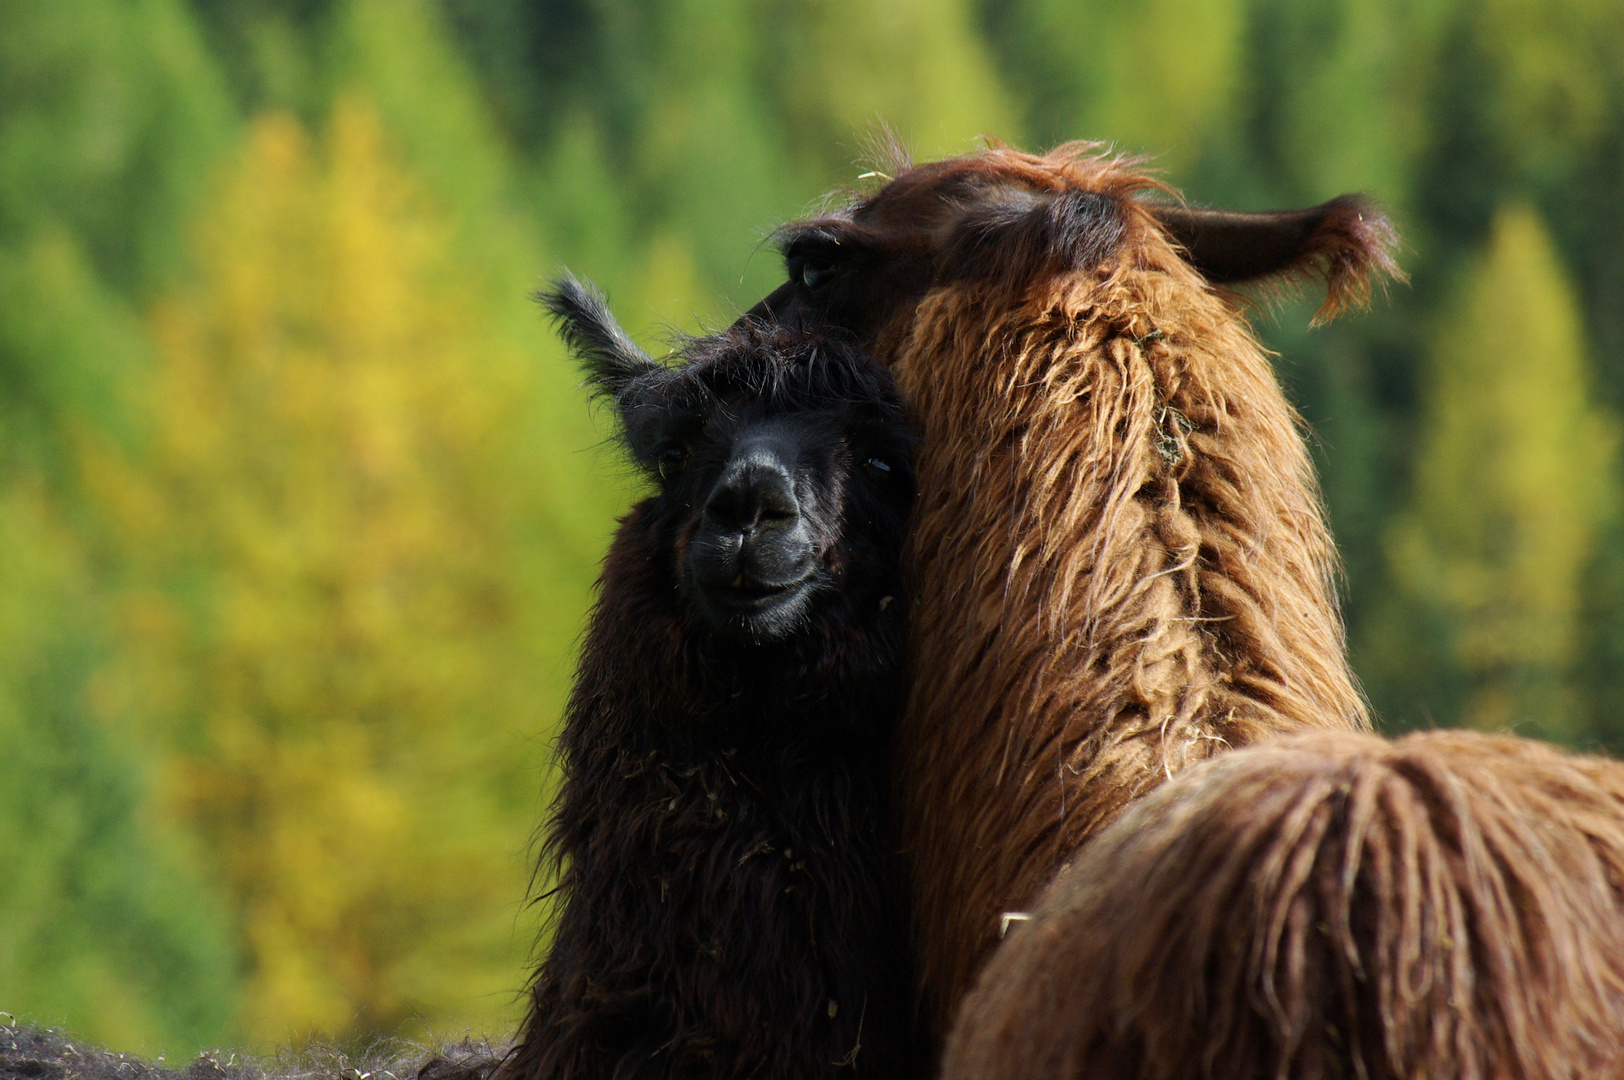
30 1053
719 838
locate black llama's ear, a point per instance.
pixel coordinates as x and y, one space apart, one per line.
1344 243
612 360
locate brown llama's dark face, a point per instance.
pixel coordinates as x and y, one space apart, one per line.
782 464
948 221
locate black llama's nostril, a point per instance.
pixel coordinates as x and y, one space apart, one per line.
757 491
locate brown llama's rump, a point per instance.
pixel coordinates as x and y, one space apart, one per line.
1331 905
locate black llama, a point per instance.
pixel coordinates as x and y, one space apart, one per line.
719 841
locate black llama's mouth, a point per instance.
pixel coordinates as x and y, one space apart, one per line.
757 610
747 593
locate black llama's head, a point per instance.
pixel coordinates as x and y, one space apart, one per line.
784 466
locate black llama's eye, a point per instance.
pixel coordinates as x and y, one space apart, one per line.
669 461
877 467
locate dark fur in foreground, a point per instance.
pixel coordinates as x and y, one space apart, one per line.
719 837
29 1053
1329 906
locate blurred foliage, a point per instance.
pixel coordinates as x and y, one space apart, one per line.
299 503
1153 77
1516 472
104 921
324 618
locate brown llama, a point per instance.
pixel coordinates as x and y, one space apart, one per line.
1118 562
1330 905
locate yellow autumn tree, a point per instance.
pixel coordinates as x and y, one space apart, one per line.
1514 475
340 567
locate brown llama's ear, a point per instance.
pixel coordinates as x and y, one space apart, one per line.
1016 233
1344 243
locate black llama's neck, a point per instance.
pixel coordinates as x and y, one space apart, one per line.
724 888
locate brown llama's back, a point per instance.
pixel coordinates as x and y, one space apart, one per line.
1331 905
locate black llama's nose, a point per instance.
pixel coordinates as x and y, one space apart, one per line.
755 492
753 538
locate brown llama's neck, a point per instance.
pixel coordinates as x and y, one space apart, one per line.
1119 566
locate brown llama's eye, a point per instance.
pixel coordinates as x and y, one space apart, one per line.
668 462
816 273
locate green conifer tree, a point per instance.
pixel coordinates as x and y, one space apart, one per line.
1514 476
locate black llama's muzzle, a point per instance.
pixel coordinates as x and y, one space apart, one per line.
752 559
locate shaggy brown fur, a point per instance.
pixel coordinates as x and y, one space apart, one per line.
1119 561
1329 906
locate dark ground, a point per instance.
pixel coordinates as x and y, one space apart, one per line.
30 1053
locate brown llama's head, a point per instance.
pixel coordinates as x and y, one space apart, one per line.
1010 217
1329 906
1118 559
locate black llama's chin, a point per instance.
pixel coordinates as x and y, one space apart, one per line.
739 603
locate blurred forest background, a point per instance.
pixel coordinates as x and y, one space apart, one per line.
300 503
